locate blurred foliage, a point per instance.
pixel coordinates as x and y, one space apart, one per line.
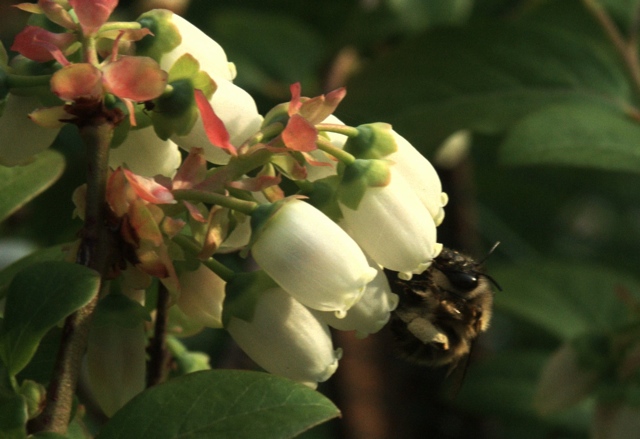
555 155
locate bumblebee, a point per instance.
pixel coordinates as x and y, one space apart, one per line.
443 310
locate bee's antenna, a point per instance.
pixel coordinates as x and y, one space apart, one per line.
490 252
493 281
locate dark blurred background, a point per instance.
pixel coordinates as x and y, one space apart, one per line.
382 50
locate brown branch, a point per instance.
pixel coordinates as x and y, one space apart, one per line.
626 48
157 370
94 253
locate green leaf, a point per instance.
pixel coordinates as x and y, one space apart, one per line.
13 417
54 253
39 297
20 184
485 77
221 404
565 299
584 135
13 409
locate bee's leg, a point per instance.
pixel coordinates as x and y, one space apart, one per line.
427 333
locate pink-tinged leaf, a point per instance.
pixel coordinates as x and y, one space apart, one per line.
290 165
92 13
172 226
214 127
76 81
192 171
138 78
150 262
333 98
143 222
256 184
217 230
57 13
148 189
313 162
170 281
119 193
194 212
132 111
29 7
317 109
299 134
216 182
294 105
50 117
273 194
114 47
126 34
37 44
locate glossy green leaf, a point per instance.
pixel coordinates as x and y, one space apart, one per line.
582 135
221 404
39 297
20 184
13 409
484 77
8 273
565 299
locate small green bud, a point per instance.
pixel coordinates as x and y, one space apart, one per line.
242 293
34 394
374 141
358 177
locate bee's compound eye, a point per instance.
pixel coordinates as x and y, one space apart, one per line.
462 280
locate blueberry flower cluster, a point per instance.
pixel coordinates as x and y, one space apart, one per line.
312 258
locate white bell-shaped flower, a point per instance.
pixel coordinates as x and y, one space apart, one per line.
144 153
371 312
393 227
285 338
311 257
21 137
237 110
201 296
209 53
421 175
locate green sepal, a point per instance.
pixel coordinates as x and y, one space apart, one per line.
323 195
374 141
358 177
176 112
34 396
260 217
186 360
165 35
278 114
242 293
